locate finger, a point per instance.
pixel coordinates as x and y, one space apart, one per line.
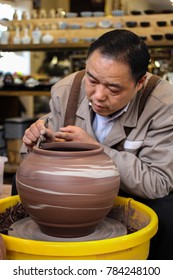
40 126
59 140
33 130
64 135
28 141
49 134
31 134
69 128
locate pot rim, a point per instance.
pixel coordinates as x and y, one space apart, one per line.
68 149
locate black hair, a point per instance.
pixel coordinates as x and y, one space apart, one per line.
124 46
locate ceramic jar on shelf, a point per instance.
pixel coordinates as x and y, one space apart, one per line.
4 39
17 37
36 35
26 39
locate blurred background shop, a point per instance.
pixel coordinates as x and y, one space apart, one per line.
42 41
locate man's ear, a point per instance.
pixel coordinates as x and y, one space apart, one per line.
141 82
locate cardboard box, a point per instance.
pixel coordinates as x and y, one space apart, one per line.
13 151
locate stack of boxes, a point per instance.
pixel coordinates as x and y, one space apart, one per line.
14 131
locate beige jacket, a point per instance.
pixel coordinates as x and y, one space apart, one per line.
146 164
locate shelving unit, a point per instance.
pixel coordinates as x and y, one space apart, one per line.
77 28
24 93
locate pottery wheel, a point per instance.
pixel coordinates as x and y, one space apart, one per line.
28 229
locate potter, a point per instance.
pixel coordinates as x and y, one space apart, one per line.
108 112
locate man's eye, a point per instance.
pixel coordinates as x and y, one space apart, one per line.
114 91
92 82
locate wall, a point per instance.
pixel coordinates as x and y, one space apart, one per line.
54 4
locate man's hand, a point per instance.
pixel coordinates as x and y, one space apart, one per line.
33 133
74 134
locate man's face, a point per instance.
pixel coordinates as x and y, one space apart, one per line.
109 84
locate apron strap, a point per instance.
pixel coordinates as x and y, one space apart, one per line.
73 99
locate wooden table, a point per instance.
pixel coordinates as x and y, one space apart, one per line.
6 191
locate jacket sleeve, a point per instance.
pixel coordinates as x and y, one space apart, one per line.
148 171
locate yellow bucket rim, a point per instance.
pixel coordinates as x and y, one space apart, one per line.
85 248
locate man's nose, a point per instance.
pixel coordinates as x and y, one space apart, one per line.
100 93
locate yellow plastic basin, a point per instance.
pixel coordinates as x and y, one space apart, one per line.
133 246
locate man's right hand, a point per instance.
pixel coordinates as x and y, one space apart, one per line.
33 133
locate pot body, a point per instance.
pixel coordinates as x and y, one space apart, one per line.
67 188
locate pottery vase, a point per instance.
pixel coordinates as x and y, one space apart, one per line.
36 35
17 38
47 38
26 39
4 37
67 188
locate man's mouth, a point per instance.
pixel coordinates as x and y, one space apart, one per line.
97 106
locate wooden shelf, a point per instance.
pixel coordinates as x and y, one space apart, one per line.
52 26
24 93
39 47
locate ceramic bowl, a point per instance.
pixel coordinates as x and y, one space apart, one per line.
62 40
90 24
105 24
75 26
75 40
62 25
167 11
47 38
135 13
157 37
118 25
169 36
145 23
117 12
98 14
131 24
89 39
149 12
71 15
161 23
144 38
86 14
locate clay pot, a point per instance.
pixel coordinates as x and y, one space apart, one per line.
2 249
67 188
